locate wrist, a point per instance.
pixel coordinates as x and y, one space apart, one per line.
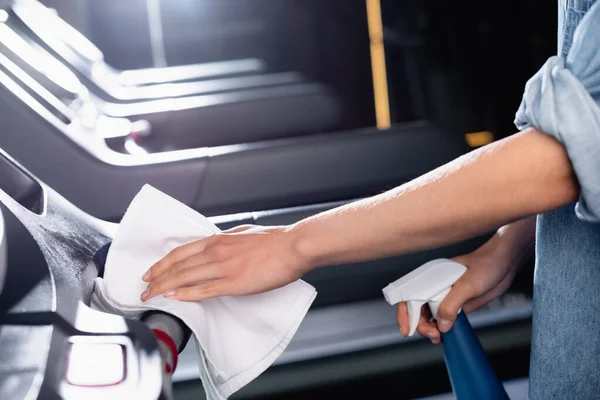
304 247
507 253
510 246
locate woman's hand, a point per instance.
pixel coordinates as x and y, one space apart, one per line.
242 261
491 270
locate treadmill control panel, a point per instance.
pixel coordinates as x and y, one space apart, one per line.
52 344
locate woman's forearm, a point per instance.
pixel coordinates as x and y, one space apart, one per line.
523 175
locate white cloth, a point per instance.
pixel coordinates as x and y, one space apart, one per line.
238 337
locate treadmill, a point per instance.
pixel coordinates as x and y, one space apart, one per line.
65 43
54 129
191 113
52 344
57 35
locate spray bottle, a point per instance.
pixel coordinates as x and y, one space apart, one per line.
470 373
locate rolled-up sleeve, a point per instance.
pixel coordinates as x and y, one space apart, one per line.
562 99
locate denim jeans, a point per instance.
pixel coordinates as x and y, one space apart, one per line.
562 100
565 352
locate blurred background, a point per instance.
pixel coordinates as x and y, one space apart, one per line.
267 111
460 64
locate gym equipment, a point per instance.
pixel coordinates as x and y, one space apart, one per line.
52 345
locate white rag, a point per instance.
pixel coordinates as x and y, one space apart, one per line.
238 337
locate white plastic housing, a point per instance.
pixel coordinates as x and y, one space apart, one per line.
430 283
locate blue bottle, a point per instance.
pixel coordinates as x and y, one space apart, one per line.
470 373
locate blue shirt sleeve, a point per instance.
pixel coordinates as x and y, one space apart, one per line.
562 100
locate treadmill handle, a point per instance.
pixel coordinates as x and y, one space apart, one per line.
172 335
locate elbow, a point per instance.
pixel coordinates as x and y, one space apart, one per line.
567 191
559 184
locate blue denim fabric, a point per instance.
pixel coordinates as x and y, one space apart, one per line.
570 13
562 100
565 347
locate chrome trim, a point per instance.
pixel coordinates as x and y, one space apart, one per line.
42 62
166 90
207 100
40 90
53 29
148 76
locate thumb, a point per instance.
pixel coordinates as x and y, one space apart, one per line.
461 292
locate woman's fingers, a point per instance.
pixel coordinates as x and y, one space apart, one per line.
425 327
187 273
175 256
202 291
402 318
462 291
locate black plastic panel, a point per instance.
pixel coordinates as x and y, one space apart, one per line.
240 117
21 187
216 117
28 285
322 168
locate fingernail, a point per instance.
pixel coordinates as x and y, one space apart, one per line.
169 293
145 294
147 275
443 324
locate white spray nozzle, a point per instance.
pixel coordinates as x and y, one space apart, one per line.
430 283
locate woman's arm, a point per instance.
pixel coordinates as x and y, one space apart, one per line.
522 175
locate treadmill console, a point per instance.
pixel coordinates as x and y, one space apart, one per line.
52 344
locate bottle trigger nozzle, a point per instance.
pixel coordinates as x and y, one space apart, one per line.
429 284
